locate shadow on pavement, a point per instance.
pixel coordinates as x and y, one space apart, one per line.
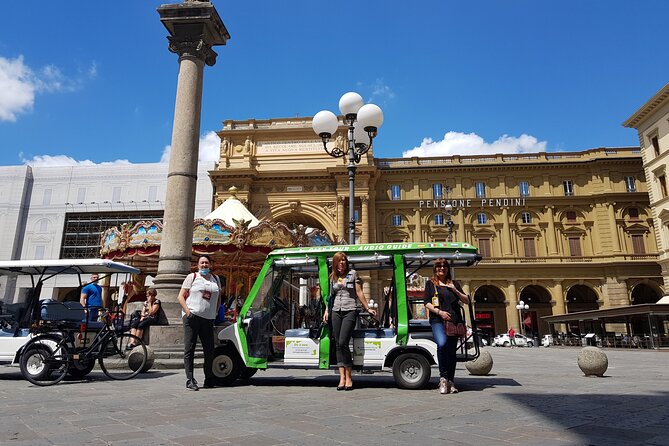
378 381
605 419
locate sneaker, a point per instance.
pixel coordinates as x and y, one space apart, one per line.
442 386
450 387
191 384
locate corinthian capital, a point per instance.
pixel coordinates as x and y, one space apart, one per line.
192 46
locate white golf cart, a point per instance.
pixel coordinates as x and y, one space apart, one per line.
17 318
399 342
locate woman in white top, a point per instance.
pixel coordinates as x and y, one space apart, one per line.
200 297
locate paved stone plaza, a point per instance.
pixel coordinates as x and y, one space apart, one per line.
534 396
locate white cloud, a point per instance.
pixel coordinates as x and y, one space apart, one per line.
381 93
210 148
64 161
19 84
458 143
17 89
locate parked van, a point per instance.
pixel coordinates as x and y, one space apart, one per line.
270 331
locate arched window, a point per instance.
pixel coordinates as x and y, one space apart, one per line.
482 218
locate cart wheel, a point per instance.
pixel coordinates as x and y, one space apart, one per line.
247 373
44 362
411 371
226 366
81 367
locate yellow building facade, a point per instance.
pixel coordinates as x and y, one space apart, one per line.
651 121
562 232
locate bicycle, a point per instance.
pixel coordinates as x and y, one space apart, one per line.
52 354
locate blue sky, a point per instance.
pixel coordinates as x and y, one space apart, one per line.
95 81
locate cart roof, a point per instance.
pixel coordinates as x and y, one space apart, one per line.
64 266
449 247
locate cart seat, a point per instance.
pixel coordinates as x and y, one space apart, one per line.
297 333
374 333
419 325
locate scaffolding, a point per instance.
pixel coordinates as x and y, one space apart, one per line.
81 236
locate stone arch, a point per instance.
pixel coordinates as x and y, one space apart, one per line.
580 215
472 218
645 293
581 297
490 304
305 214
388 218
538 298
517 217
490 294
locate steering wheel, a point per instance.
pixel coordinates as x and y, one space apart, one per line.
279 304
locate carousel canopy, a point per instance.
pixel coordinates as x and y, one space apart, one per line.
231 234
232 210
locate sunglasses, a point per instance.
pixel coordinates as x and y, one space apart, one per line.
441 265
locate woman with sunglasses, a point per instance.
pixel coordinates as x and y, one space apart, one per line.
346 297
442 301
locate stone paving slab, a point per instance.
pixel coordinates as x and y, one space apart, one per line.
534 396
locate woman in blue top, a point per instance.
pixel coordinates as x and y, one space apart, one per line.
442 300
346 296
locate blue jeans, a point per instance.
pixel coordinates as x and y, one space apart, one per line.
446 349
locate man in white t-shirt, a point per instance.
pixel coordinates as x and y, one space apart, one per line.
200 297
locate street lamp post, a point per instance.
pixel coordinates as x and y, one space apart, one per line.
448 209
520 307
363 122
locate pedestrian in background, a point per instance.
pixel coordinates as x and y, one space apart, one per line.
91 298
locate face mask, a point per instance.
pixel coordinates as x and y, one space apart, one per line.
204 271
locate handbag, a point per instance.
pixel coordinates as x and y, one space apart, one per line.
453 329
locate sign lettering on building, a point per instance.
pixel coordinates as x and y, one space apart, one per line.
280 147
468 203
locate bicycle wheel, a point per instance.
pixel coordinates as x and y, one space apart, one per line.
45 360
115 360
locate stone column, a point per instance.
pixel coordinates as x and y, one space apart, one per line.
194 28
466 289
418 232
614 227
461 236
364 236
512 318
342 224
558 295
550 232
506 233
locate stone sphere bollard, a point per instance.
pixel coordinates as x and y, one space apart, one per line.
135 358
481 365
593 361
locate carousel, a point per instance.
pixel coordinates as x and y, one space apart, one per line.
231 235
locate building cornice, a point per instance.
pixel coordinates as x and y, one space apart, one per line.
615 155
659 99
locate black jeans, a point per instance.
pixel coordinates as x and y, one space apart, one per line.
343 323
195 326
